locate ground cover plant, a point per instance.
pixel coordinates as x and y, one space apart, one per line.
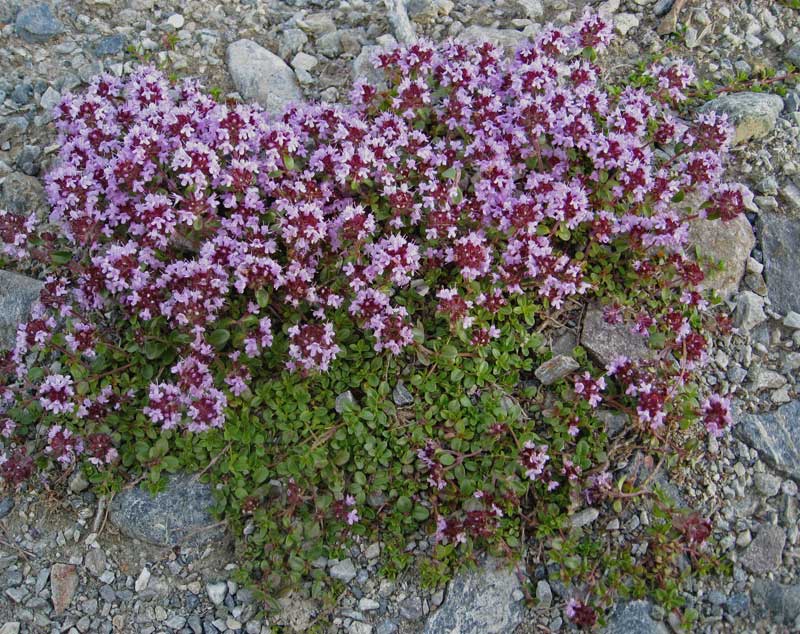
337 313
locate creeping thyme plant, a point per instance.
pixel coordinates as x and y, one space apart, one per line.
336 313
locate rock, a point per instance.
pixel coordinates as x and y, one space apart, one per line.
386 627
625 22
753 114
633 618
262 76
398 18
343 571
317 23
36 24
78 482
767 484
607 341
422 11
544 595
357 627
14 127
793 55
296 611
508 39
217 592
662 7
555 369
140 585
292 41
792 320
6 506
533 9
778 599
12 627
22 194
765 552
175 21
63 584
95 561
330 44
110 45
304 61
780 237
411 608
180 514
344 402
481 601
729 242
773 435
584 517
749 311
401 396
50 99
363 68
17 294
366 604
764 379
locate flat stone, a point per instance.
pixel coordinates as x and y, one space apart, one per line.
767 484
780 237
555 369
608 341
508 39
6 506
774 435
544 594
95 561
180 514
12 627
217 592
17 294
779 600
480 601
110 45
343 571
363 68
36 24
22 194
401 396
633 618
260 75
753 114
625 22
63 584
584 517
749 311
765 552
533 9
730 242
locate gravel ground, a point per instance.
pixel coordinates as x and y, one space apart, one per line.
63 568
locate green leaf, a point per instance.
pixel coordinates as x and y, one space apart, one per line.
154 349
61 257
404 504
449 173
449 352
219 337
420 513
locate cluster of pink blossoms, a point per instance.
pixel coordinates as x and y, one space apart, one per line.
474 176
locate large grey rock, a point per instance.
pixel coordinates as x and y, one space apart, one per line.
398 17
753 114
607 341
508 39
729 242
765 553
781 601
17 294
774 435
181 514
634 618
262 76
37 23
780 242
483 601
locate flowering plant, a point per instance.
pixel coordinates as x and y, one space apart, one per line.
218 270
